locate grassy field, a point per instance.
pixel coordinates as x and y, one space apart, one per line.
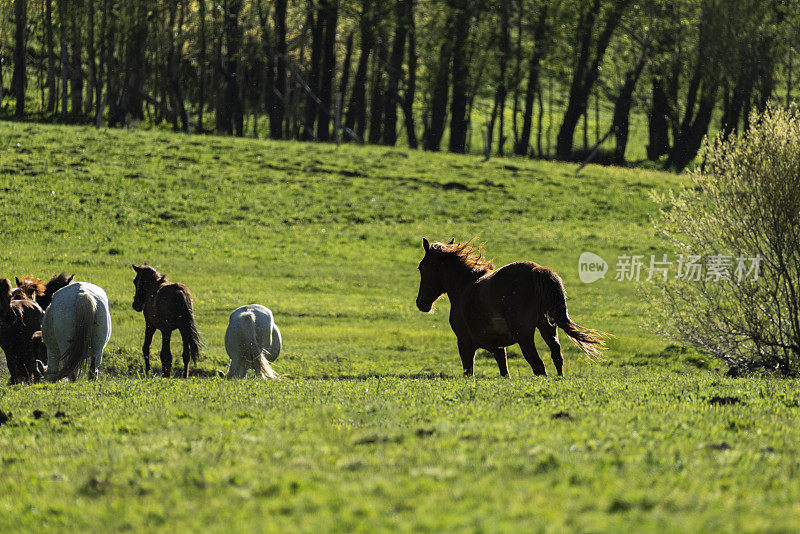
374 427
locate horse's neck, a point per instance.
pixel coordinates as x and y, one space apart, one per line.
153 288
458 281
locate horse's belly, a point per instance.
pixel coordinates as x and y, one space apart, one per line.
494 333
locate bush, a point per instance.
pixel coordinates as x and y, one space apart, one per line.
743 211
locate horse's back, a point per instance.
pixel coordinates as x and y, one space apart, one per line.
59 320
522 288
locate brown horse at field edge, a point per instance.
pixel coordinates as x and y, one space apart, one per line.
492 309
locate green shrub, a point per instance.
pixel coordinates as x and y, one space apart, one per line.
744 204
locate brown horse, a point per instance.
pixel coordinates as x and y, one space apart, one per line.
166 306
32 288
492 309
20 322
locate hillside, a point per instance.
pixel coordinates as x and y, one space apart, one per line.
373 427
328 237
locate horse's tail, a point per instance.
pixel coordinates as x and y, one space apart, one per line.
590 341
253 351
189 332
78 349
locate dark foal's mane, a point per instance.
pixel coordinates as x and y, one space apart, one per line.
465 254
153 276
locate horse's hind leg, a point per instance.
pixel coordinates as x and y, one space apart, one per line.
528 347
187 353
550 335
502 360
94 363
166 354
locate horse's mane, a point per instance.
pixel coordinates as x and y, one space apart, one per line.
30 286
467 254
154 274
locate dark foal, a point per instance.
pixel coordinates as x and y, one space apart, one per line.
492 309
166 306
20 320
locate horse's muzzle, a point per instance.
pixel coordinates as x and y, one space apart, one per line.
423 307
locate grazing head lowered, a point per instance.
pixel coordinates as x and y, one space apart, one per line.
492 309
166 306
29 288
439 261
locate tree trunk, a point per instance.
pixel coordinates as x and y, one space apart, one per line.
395 72
91 65
438 106
329 11
267 93
276 101
99 80
356 114
500 92
76 67
316 22
51 56
411 85
620 124
348 60
458 105
112 78
521 147
658 121
201 89
20 76
63 16
231 114
587 69
378 94
132 78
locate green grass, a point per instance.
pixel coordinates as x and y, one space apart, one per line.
373 428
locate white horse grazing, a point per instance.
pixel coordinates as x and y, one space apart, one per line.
76 325
252 341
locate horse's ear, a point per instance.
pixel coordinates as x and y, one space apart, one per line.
136 268
16 279
425 245
453 240
70 278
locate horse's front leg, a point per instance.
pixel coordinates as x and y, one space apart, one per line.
148 339
166 354
467 352
502 360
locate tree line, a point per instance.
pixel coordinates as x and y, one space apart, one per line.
429 74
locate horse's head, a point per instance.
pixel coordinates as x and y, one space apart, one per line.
56 282
431 286
146 276
5 294
29 288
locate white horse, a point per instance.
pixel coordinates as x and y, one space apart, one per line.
76 326
252 341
